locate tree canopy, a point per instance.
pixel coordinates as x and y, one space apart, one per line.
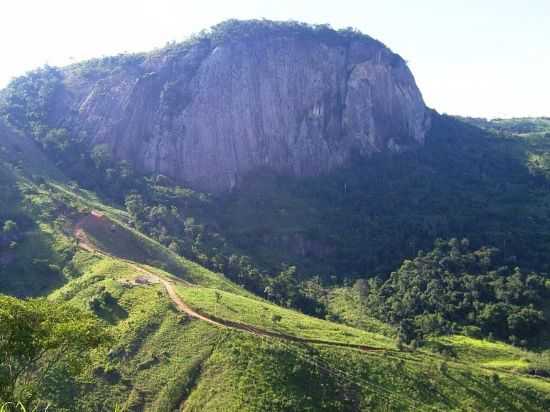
39 334
454 286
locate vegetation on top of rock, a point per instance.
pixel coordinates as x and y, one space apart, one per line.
299 242
251 30
231 30
373 212
103 66
27 100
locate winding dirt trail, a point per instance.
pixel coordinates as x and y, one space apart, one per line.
85 244
225 323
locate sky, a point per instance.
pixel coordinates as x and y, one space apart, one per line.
483 58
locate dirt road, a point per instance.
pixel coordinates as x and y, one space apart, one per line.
85 244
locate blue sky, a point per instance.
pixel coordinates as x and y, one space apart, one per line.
484 58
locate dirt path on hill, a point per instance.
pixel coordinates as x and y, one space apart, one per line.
82 238
85 244
214 320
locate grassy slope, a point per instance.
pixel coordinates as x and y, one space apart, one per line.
255 312
269 373
156 350
231 370
160 357
161 360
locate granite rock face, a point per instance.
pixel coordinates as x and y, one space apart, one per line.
211 112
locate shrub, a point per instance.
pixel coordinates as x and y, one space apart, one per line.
9 227
472 331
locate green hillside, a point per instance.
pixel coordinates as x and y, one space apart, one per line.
205 367
258 373
32 252
329 293
162 359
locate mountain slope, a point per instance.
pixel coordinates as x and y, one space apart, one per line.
181 278
161 359
361 219
32 253
223 378
287 96
203 367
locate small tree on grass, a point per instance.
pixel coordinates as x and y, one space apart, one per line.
399 344
406 331
276 318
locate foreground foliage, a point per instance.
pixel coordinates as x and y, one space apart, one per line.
40 335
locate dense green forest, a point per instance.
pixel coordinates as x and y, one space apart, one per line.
455 288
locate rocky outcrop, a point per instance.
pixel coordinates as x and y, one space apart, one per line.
298 101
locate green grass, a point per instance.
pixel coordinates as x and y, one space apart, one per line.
19 407
219 370
245 373
478 351
87 200
506 364
155 351
160 359
34 265
483 356
260 313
